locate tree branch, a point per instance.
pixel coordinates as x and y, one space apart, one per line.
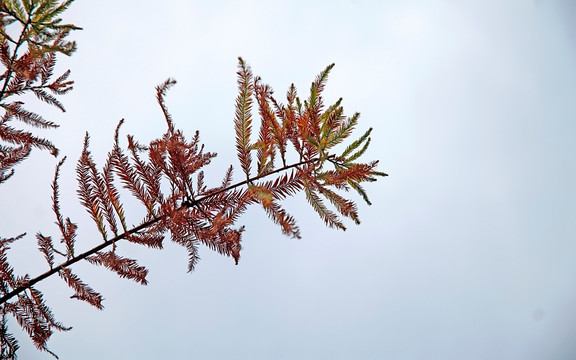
75 259
142 226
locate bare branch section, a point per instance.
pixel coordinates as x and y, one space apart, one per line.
189 212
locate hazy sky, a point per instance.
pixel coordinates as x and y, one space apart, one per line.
469 251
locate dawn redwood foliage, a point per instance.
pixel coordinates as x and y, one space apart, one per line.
293 150
28 57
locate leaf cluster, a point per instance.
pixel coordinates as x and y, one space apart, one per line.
27 66
312 130
29 309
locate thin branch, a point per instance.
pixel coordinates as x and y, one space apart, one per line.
14 55
252 179
74 260
8 93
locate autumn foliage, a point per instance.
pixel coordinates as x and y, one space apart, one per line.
291 151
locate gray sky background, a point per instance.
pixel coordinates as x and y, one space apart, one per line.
469 251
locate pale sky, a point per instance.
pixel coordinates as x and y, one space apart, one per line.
469 248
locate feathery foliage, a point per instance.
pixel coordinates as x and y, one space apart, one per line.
28 65
167 175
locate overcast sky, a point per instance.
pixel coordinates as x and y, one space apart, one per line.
469 249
